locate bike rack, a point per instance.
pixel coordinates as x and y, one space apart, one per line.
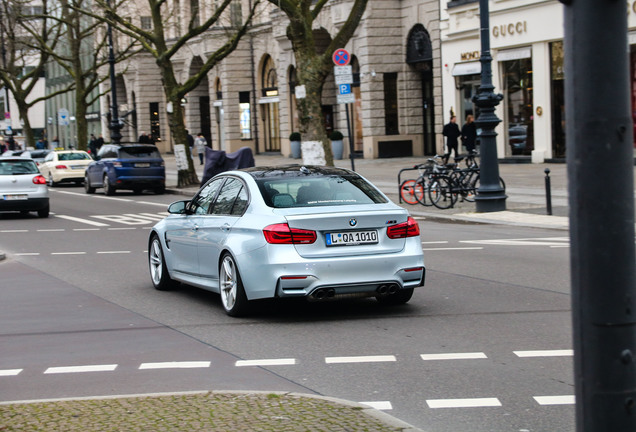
400 179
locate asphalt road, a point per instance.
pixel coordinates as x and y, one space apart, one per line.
484 346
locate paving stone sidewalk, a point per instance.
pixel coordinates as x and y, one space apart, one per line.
198 411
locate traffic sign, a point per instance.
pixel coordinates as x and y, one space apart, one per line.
7 115
343 75
63 117
341 57
344 89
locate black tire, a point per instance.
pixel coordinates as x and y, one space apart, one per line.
137 191
231 289
440 193
424 183
400 297
108 188
44 212
87 186
160 190
157 265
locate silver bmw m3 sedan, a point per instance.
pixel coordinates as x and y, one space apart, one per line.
288 231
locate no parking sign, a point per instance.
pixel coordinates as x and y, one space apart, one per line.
341 57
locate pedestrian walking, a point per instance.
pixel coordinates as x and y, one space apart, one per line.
451 132
92 145
469 134
200 144
143 138
100 141
11 144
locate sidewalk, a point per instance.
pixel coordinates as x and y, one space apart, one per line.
525 190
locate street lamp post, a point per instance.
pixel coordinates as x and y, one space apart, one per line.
491 196
114 126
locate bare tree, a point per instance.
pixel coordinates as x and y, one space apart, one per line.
22 28
155 42
314 67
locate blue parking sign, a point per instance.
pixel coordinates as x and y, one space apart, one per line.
345 88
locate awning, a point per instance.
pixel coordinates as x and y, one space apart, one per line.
269 99
467 68
514 54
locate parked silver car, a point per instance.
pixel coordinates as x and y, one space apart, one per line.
22 187
294 231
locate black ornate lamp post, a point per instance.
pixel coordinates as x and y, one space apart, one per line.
114 126
491 196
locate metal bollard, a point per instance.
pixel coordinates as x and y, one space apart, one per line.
548 195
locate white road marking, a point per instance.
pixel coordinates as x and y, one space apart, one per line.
545 353
151 216
454 356
85 229
51 230
110 198
121 229
10 372
123 219
361 359
176 365
84 221
153 203
113 252
452 248
266 362
555 400
436 242
541 241
463 403
68 253
76 369
379 405
14 231
27 254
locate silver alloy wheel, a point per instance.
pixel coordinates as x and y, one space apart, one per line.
229 284
156 262
51 182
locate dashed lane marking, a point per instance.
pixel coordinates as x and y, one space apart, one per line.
14 231
436 242
463 403
176 365
80 369
10 372
113 252
51 230
361 359
266 362
28 254
555 400
379 405
452 248
68 253
454 356
540 241
545 353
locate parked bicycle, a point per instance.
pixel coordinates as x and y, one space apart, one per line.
415 190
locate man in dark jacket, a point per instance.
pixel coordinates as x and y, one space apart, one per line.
451 132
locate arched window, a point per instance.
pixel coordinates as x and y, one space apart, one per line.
269 82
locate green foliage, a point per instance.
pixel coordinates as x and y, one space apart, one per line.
295 136
335 136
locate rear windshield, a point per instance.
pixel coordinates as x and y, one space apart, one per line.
324 190
139 152
15 167
73 156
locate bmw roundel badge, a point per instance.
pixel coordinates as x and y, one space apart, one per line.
353 222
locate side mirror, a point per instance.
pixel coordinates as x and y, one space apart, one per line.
178 207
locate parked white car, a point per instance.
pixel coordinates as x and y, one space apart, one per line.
65 166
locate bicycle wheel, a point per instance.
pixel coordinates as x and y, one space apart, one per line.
476 184
468 187
424 183
410 191
440 193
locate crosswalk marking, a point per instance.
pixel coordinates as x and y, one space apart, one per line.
80 220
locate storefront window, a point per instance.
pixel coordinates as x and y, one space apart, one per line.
558 99
245 115
155 129
517 83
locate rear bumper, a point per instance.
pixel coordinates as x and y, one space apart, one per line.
31 204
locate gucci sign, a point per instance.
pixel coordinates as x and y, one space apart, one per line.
509 29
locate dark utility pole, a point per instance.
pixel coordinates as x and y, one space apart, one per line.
491 196
115 126
601 193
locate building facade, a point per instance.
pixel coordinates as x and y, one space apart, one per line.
249 98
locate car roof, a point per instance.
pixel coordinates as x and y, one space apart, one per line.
297 170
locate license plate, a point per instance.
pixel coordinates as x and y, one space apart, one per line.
142 165
15 197
351 238
76 167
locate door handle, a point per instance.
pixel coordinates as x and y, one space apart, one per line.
225 227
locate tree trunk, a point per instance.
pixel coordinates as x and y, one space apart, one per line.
179 136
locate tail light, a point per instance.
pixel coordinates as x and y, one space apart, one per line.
60 167
282 234
410 228
117 164
39 179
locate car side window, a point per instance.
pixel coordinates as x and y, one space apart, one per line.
227 196
201 203
49 157
240 205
